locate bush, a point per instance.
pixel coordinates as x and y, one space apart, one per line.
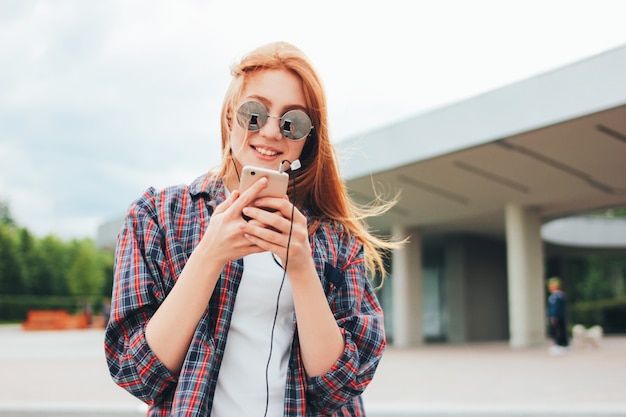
610 314
15 307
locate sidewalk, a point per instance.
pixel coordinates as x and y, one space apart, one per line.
496 380
62 374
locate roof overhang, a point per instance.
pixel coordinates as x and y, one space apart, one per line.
556 142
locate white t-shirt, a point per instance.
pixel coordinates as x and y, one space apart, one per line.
241 385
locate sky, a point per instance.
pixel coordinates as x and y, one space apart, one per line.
101 99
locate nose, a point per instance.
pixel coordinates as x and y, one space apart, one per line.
271 128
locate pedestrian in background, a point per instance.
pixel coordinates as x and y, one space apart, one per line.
557 316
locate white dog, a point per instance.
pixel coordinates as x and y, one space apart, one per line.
583 337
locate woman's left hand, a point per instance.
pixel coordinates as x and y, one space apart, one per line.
270 230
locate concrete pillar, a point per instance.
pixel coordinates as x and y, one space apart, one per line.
454 281
407 289
525 271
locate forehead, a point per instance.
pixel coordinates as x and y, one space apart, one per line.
278 88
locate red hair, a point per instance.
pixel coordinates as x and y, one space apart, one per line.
320 188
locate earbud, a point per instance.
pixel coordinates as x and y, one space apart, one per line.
292 165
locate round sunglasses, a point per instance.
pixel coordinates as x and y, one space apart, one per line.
294 125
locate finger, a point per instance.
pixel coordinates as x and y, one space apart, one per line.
266 237
265 245
248 196
252 248
267 219
282 205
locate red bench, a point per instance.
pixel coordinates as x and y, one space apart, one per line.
46 320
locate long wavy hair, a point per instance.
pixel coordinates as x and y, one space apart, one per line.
320 188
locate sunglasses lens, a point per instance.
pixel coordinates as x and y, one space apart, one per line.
252 115
295 124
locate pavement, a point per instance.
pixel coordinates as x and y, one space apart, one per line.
64 374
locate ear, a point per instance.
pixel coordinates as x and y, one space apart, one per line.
229 120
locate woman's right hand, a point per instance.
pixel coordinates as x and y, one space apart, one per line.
224 238
169 332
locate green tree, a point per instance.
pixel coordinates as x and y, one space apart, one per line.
615 212
55 265
596 277
27 251
47 268
11 271
5 215
607 275
86 274
108 259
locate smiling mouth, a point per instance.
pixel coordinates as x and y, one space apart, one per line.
265 151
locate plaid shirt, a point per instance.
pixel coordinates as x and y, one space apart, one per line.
161 230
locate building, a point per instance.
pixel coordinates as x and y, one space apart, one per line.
478 180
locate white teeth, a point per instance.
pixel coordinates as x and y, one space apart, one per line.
266 152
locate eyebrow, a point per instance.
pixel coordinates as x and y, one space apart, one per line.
266 102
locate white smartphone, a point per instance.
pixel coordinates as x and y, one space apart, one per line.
277 181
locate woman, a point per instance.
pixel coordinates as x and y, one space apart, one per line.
205 320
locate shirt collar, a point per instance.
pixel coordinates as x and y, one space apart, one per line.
209 186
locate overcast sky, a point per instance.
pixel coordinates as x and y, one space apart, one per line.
101 99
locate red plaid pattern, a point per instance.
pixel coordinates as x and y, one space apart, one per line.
161 230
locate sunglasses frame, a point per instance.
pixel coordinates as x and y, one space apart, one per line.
244 119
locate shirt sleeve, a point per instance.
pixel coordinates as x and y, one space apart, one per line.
137 291
360 318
